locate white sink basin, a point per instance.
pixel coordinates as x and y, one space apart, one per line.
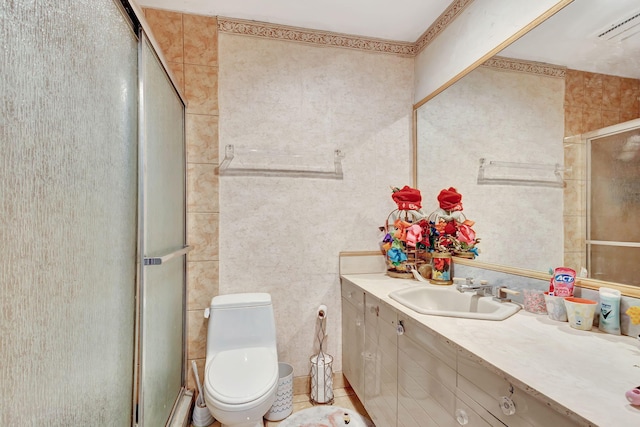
447 301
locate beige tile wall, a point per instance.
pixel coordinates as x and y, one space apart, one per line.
283 235
190 46
592 101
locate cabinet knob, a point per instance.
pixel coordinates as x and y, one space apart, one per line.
375 310
461 417
400 328
507 405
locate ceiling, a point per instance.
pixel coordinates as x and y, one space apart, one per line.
398 20
568 38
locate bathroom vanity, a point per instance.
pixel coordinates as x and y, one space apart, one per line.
411 369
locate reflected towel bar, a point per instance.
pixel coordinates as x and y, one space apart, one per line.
558 182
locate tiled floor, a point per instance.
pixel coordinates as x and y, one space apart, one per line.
343 397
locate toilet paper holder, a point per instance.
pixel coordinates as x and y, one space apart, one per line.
321 364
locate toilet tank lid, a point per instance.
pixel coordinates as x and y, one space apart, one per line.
241 300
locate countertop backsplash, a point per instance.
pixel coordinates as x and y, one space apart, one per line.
519 283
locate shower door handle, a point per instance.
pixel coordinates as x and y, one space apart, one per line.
168 257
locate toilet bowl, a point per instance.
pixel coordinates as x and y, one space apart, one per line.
241 367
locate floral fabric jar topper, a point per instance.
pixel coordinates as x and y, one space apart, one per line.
450 230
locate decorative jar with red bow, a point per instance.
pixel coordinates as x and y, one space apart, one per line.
406 235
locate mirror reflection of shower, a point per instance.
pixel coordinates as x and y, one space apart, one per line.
613 203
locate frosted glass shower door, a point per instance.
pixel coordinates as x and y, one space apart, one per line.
68 213
613 235
162 227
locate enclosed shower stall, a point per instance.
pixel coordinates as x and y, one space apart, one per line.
613 203
92 218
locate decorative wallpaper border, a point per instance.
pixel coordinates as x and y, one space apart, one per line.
450 13
303 35
326 38
522 66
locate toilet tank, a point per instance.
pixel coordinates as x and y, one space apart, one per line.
239 321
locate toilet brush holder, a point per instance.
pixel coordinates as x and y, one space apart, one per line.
201 416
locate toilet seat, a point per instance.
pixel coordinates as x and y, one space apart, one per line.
240 376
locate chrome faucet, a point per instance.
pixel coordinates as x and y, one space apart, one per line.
469 286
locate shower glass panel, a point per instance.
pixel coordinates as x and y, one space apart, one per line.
615 264
163 206
613 235
68 200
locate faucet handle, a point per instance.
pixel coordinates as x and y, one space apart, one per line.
461 284
463 280
500 293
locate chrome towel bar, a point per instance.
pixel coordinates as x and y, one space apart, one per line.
168 257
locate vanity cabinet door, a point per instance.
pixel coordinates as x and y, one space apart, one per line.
426 378
427 391
380 362
353 337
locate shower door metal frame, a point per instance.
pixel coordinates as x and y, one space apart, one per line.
155 261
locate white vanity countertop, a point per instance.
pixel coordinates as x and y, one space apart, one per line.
587 372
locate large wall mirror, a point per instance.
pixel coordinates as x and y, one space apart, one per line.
522 138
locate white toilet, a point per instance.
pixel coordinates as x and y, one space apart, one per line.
241 369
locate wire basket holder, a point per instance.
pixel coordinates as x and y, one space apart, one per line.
321 367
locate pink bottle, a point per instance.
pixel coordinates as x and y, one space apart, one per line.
633 396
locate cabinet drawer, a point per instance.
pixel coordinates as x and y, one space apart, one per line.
488 389
353 294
